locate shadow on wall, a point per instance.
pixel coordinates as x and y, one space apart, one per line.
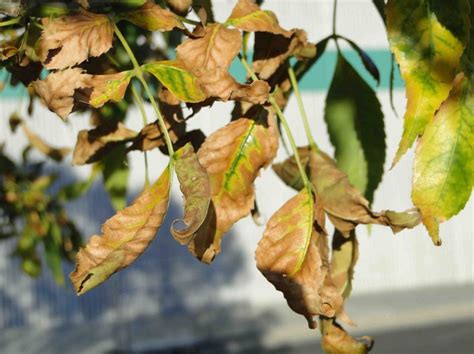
165 280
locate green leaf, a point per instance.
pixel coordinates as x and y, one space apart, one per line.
177 79
195 186
78 189
53 248
115 174
444 163
428 49
356 128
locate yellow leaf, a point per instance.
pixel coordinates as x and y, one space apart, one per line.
108 88
153 17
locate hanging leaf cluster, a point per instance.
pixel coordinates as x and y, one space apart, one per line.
101 57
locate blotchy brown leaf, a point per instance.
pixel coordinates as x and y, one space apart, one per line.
232 157
209 57
335 340
124 237
195 186
91 144
70 40
58 88
293 256
38 143
248 16
106 88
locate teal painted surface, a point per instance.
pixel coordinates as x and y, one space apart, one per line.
317 79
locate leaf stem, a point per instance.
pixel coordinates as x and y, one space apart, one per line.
284 122
139 75
334 17
12 21
141 108
188 21
294 84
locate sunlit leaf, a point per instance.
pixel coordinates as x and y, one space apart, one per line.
443 174
108 88
124 237
180 6
345 252
293 256
355 123
69 40
153 17
181 82
247 16
233 157
115 173
428 53
195 186
335 340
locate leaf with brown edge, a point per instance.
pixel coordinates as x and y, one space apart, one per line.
57 154
195 186
125 236
247 16
233 157
92 144
70 40
108 87
153 17
335 340
58 88
292 255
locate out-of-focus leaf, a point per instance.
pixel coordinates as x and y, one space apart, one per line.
205 5
108 88
57 90
369 64
52 248
7 50
56 154
115 173
380 6
181 82
345 252
195 186
153 17
78 189
70 40
428 54
91 144
233 157
355 123
335 340
293 256
443 175
179 6
247 16
125 236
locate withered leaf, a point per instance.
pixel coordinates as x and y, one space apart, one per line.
153 17
232 157
293 256
57 90
179 6
125 236
91 144
69 40
345 252
107 87
195 186
271 51
7 50
38 143
335 340
344 204
248 16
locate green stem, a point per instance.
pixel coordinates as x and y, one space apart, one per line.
284 122
139 75
12 21
334 17
188 21
294 84
141 108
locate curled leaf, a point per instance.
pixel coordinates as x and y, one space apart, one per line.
292 255
194 184
335 340
345 252
92 144
38 143
247 16
125 236
70 40
232 157
443 175
153 17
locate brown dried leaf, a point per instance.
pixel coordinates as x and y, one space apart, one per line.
195 186
179 6
92 144
335 340
345 252
293 256
7 50
248 16
233 157
153 17
56 154
107 87
69 40
125 236
57 90
271 51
